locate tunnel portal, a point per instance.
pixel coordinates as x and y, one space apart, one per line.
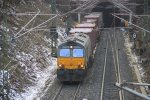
107 8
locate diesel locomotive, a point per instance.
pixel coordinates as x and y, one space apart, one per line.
75 53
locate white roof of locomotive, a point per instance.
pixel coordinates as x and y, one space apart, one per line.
86 25
79 38
81 30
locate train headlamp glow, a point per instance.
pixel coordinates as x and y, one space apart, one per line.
81 66
60 66
71 47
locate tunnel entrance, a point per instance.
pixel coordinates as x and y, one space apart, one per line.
108 19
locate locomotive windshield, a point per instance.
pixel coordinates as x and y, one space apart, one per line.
71 51
65 52
77 52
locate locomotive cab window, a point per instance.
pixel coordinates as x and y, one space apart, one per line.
77 52
64 52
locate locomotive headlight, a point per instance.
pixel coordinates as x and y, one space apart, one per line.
71 47
60 66
81 66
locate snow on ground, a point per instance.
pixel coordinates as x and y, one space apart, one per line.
61 34
134 61
4 28
42 77
32 63
32 67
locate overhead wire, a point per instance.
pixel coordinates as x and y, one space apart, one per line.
27 24
88 2
116 2
72 11
63 14
42 24
131 23
12 67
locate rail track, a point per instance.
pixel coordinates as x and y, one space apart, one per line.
99 83
115 51
60 90
108 91
112 43
76 92
117 68
103 79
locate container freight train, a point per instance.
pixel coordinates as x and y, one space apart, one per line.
75 53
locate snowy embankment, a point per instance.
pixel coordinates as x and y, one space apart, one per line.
40 68
36 72
134 61
32 68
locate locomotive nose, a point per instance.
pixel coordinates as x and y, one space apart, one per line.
71 75
71 63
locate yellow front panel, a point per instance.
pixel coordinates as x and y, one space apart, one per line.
71 63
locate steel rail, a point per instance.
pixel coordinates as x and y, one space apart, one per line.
58 92
116 61
113 55
103 80
76 92
121 93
